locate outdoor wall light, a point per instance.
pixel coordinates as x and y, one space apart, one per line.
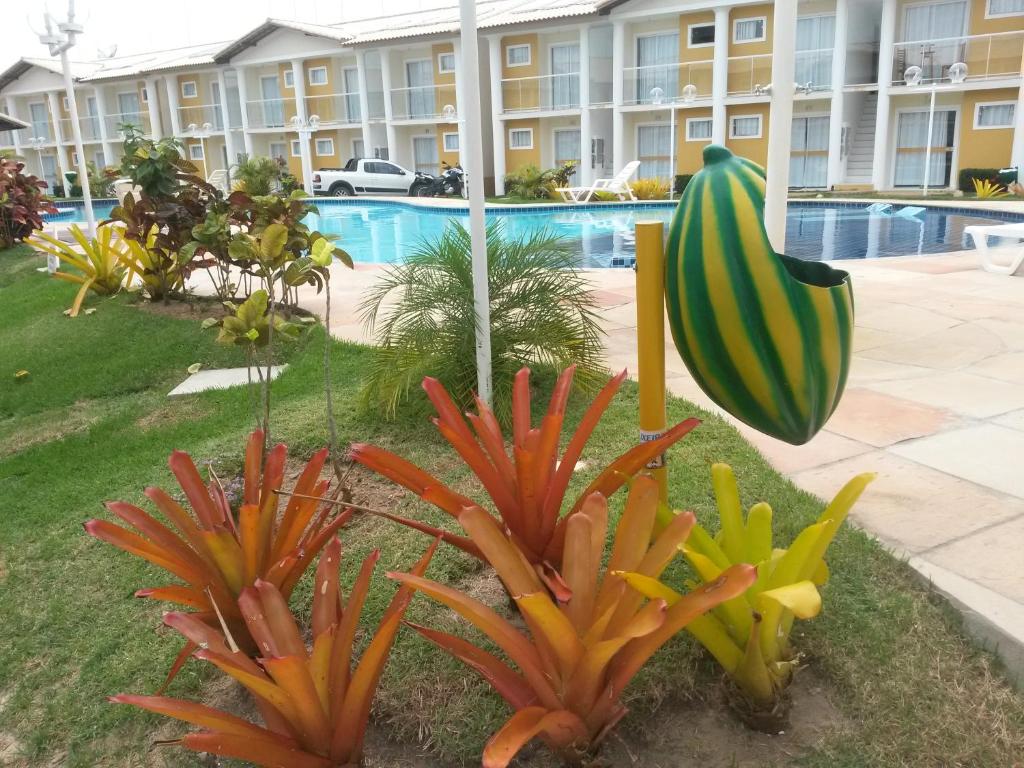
912 76
689 93
449 113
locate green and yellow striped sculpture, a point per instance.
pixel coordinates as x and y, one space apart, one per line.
765 335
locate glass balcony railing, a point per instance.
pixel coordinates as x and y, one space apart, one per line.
270 113
138 119
986 56
90 125
748 73
334 108
814 68
639 83
543 92
7 138
200 115
421 102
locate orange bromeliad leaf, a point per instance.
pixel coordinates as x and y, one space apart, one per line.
525 480
566 674
217 556
315 704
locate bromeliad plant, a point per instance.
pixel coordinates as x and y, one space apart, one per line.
570 667
749 635
315 702
101 267
216 553
527 484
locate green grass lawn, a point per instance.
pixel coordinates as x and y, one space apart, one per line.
92 423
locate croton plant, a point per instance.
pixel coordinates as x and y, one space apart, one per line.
22 202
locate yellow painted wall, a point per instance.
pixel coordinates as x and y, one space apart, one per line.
191 111
745 73
520 95
979 25
747 12
689 154
452 158
993 55
752 149
517 158
288 94
445 93
989 147
327 161
699 75
200 164
324 107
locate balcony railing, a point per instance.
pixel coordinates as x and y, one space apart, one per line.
746 73
89 124
138 119
814 67
986 56
200 115
7 137
422 102
543 92
638 82
335 108
270 113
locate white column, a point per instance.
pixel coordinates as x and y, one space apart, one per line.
243 98
618 124
886 39
364 104
173 106
720 75
585 173
62 162
835 124
110 153
497 107
461 101
385 78
1017 148
229 139
10 110
299 79
153 102
780 123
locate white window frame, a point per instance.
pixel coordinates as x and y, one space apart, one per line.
184 88
513 130
74 158
764 30
193 155
990 15
444 141
732 126
144 95
295 143
690 120
270 149
64 102
440 68
309 76
689 35
529 55
316 146
289 78
977 115
957 132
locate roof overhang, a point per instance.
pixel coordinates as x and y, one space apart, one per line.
270 26
8 123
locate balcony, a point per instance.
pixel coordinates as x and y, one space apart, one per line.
814 68
421 102
540 93
335 108
638 82
748 73
90 125
270 113
200 115
7 137
987 57
139 119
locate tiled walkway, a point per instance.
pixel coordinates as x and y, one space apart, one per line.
934 404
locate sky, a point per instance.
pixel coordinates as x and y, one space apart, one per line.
137 26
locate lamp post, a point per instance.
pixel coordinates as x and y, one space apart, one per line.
305 129
37 144
59 43
202 134
912 77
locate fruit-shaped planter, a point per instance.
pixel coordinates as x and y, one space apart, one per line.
765 335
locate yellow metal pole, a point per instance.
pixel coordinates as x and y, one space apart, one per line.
650 337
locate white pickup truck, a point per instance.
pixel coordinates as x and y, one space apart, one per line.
364 176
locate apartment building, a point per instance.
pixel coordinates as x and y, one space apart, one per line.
599 82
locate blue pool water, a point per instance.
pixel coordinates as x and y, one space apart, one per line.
384 232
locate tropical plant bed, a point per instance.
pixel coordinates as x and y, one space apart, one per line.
889 677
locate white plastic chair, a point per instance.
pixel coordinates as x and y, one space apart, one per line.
618 185
981 233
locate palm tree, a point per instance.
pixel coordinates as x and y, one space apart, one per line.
422 316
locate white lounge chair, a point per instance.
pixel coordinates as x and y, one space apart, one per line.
981 233
618 185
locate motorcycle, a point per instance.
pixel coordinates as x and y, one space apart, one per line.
451 181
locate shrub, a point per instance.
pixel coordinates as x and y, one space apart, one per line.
529 183
542 315
528 487
967 177
560 176
22 202
101 266
650 189
257 175
573 660
101 180
315 702
681 180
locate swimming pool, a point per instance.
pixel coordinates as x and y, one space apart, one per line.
384 231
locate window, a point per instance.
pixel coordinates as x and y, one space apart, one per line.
357 148
99 159
350 77
911 141
702 35
749 30
67 107
745 127
74 158
424 154
289 78
567 146
40 120
451 142
296 148
387 168
814 41
657 61
808 160
994 114
318 76
445 63
324 147
145 95
195 151
698 129
278 149
381 153
565 76
653 148
518 55
996 8
520 138
189 89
